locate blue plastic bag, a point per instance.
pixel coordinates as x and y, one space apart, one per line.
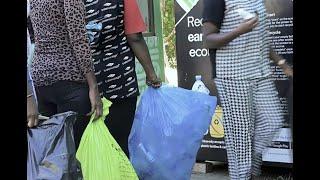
51 149
167 131
93 30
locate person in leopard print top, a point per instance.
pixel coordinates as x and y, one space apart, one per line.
62 68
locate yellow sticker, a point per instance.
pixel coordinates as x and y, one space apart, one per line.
216 127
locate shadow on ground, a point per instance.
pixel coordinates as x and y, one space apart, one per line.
220 172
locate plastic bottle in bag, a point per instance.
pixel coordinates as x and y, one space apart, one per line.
199 86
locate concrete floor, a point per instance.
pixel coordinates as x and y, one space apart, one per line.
220 172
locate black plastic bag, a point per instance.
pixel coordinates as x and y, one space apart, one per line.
51 149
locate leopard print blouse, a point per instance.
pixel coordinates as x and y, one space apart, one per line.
62 50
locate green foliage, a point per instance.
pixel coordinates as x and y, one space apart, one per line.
169 31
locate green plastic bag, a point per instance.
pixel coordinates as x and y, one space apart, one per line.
100 155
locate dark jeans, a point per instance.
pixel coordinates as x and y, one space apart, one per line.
72 96
120 119
64 96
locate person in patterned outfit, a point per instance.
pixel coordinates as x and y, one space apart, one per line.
241 52
115 29
32 108
62 68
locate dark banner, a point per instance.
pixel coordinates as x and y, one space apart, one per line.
193 59
281 33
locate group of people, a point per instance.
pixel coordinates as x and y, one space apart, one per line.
86 49
71 72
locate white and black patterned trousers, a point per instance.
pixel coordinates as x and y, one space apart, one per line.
251 117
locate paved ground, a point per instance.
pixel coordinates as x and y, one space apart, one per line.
220 172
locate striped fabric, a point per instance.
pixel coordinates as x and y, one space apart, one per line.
247 56
251 107
252 116
113 58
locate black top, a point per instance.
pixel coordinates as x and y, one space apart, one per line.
213 12
113 58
